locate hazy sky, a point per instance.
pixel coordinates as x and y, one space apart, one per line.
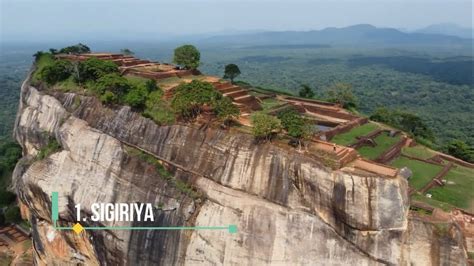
103 19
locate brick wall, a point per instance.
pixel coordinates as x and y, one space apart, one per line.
329 112
343 128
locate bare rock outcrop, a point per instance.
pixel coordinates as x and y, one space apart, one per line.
289 208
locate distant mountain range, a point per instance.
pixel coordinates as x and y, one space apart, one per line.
363 34
448 29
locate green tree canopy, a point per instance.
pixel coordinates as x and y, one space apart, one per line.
93 68
59 70
75 49
136 97
231 72
306 91
114 83
126 51
264 126
405 121
190 97
342 93
158 109
38 55
226 110
187 56
295 124
461 150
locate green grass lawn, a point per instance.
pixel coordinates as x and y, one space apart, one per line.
384 142
68 85
270 103
350 137
422 172
432 202
135 80
169 81
418 151
459 194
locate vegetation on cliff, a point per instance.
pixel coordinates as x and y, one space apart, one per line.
180 185
264 126
187 56
51 147
297 127
102 78
190 98
231 72
10 153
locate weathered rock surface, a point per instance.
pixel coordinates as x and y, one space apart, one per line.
289 208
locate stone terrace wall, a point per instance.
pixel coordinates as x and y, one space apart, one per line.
394 151
311 101
329 112
454 160
342 128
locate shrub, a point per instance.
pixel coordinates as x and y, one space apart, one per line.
342 93
52 147
150 85
38 55
187 56
226 110
92 69
58 71
296 125
157 109
136 97
75 49
264 126
108 98
112 83
189 98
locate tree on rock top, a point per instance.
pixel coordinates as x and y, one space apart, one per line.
297 127
75 49
264 126
231 72
306 91
187 56
225 110
341 93
126 51
189 98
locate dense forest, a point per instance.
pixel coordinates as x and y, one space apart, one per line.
438 87
439 90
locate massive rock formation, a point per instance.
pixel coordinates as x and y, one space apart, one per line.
289 207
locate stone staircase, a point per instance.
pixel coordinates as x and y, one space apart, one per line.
240 96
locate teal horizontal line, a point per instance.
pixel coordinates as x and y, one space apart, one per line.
231 228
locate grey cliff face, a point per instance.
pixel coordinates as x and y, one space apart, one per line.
288 207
